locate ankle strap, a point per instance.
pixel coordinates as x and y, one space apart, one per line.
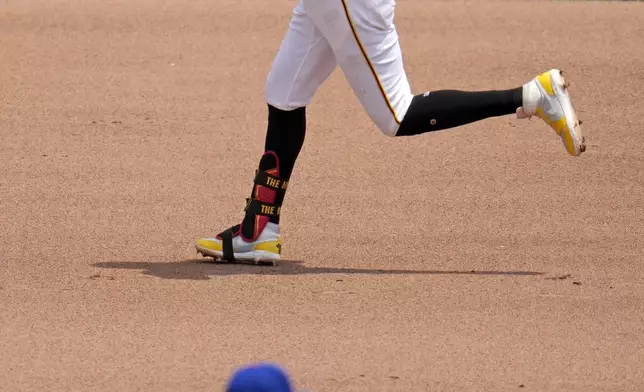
264 179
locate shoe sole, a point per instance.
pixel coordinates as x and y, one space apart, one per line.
254 258
560 87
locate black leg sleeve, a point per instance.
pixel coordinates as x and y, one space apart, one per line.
450 108
285 136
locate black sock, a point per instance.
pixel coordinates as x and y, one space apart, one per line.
285 136
450 108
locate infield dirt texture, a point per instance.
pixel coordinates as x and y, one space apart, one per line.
482 258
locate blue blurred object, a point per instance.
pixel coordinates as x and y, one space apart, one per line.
262 377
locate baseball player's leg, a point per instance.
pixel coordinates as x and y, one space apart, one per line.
546 96
303 62
365 42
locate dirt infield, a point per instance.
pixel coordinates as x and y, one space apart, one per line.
482 258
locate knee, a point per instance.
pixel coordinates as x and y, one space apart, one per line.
275 95
388 121
388 128
278 96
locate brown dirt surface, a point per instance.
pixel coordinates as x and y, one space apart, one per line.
482 258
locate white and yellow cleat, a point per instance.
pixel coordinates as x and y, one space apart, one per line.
546 96
266 249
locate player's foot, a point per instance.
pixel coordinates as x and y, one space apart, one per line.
546 96
257 239
266 249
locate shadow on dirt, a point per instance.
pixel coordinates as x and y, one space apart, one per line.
198 269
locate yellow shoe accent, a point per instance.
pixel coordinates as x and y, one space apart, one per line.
559 125
270 246
546 82
566 137
209 244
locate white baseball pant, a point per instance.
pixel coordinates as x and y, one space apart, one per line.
360 37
